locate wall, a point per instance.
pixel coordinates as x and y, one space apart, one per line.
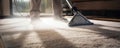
99 5
104 8
0 7
6 7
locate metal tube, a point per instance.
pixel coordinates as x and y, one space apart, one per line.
69 4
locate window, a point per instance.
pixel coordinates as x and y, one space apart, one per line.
22 7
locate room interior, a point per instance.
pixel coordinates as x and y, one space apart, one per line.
45 24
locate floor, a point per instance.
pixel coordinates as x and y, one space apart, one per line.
46 32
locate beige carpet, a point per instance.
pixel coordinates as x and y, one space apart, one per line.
50 33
